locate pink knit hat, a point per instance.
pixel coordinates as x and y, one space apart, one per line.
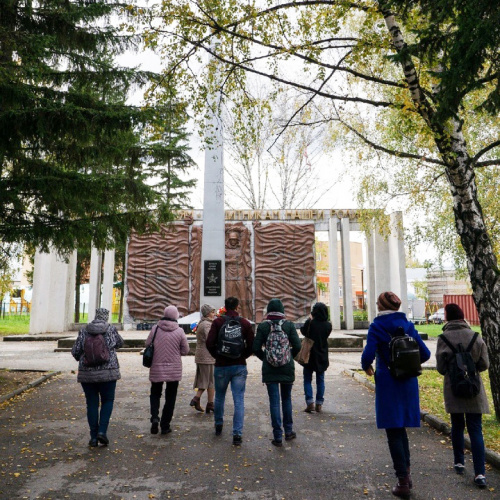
171 312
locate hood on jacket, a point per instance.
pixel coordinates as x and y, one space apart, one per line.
390 321
97 326
168 325
275 305
320 311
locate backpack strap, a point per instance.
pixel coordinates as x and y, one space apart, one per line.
448 343
471 343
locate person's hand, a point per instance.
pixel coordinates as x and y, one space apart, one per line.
369 371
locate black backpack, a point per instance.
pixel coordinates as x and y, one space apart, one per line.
464 378
230 342
404 359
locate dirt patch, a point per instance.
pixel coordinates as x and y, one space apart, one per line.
11 380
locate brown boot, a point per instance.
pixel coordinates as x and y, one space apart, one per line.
209 408
196 403
310 408
402 488
318 408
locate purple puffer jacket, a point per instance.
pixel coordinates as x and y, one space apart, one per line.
170 344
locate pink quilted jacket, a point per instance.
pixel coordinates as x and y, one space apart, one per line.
170 344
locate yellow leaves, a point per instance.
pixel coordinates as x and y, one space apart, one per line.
151 496
16 474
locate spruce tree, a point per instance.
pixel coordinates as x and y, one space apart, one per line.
79 164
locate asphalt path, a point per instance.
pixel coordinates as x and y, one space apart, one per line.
338 454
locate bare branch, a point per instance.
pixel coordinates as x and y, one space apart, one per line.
485 150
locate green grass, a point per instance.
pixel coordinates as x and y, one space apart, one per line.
435 330
15 324
431 400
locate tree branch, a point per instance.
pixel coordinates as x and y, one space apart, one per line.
485 150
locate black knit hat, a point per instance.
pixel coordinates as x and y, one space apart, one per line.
452 312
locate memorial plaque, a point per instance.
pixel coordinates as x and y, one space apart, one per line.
212 287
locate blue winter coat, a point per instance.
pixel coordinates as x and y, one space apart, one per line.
396 401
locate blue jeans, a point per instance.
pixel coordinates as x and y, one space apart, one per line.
320 386
399 448
99 421
273 389
235 375
475 430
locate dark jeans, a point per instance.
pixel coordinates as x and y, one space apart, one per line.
273 390
99 421
400 450
475 430
168 408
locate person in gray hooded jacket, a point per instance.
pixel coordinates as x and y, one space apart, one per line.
98 380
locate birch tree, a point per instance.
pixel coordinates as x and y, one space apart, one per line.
420 90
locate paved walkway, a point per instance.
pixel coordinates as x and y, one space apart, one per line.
337 455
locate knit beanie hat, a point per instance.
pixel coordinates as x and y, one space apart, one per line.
101 314
171 312
388 301
275 305
206 309
453 311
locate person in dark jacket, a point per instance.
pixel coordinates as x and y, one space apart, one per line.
317 328
230 370
98 382
278 378
397 403
464 411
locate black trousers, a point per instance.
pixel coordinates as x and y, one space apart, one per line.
400 450
168 408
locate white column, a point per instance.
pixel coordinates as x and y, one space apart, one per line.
346 273
371 296
334 273
53 298
398 282
94 282
382 263
214 235
107 282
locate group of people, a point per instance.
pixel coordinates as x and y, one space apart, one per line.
397 400
217 368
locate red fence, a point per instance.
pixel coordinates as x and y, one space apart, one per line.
466 303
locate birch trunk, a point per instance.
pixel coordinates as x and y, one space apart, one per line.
469 221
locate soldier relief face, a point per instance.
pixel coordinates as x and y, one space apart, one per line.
234 239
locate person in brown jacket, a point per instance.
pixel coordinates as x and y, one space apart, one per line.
204 378
464 411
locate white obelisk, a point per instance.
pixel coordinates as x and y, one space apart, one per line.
213 269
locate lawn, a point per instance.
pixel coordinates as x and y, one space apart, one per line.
431 400
435 330
15 324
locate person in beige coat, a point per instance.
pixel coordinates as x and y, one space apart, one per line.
204 379
464 411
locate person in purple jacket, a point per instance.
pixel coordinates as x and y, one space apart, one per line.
170 344
397 404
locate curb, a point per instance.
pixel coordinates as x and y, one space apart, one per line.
492 457
36 382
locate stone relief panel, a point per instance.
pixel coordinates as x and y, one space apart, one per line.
195 266
239 267
284 267
158 272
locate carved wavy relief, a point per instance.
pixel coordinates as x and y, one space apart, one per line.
195 263
284 267
158 272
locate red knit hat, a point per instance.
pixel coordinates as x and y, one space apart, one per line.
453 311
388 301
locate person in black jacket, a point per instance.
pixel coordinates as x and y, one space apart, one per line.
317 328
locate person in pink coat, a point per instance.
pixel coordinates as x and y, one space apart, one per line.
170 344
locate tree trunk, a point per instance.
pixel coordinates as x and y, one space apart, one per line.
469 221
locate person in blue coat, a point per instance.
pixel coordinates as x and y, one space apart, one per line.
397 403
